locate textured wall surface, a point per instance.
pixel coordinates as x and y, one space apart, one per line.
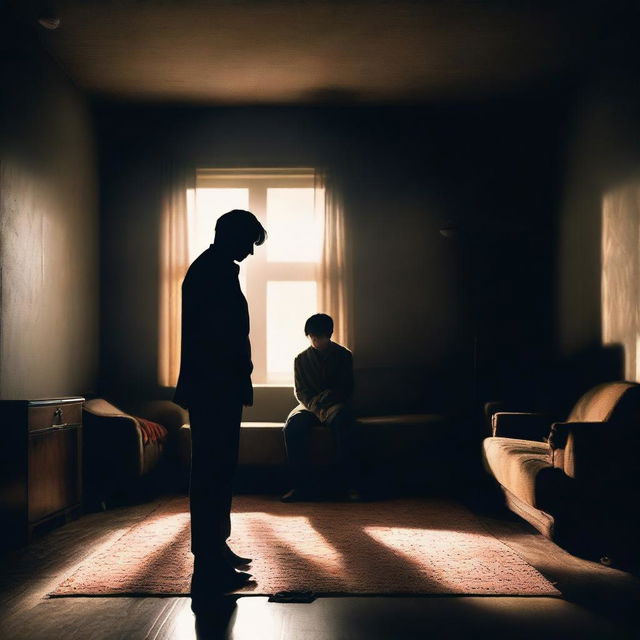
621 273
48 233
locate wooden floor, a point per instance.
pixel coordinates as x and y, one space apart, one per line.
598 602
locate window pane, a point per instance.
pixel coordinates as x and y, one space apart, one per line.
289 304
203 214
294 225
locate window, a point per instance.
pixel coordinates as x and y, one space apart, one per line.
281 281
303 268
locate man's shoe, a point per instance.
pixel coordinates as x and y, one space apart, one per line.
295 495
233 558
213 617
233 580
206 589
211 605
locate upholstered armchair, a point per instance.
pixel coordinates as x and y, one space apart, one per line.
574 480
177 447
119 448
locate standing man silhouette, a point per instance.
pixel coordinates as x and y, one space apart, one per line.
214 384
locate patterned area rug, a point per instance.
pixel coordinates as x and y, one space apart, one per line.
404 546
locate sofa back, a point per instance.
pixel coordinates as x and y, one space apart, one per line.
608 402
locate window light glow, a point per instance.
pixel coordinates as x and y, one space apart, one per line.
289 304
280 280
294 226
207 206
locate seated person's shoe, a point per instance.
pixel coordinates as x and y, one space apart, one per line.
233 558
295 495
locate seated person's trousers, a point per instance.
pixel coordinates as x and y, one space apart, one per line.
297 432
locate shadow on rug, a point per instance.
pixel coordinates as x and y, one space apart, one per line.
403 546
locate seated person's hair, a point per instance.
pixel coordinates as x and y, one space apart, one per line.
319 324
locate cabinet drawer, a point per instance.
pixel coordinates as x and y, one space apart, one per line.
46 416
53 471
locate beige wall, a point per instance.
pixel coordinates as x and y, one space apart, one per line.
48 235
598 235
579 325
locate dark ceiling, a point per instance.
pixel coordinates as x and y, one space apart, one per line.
286 51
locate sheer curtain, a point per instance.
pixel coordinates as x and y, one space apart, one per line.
335 277
177 199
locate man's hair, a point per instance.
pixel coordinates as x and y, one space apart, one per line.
319 324
239 223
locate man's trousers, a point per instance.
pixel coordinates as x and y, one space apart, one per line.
215 437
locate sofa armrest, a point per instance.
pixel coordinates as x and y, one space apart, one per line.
167 413
583 450
490 409
525 426
112 439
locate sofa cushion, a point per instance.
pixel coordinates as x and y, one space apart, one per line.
393 437
517 465
261 443
403 420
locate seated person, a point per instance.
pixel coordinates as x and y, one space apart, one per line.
323 386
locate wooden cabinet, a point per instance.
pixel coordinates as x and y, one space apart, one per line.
40 464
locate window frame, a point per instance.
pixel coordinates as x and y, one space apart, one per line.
260 271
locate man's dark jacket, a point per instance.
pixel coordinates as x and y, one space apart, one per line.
215 353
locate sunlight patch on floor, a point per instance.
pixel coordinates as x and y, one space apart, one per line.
313 547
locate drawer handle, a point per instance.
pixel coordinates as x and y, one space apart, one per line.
57 417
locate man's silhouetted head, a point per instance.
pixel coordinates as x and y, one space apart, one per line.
236 233
319 329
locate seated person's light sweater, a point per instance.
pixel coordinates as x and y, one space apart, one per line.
323 380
